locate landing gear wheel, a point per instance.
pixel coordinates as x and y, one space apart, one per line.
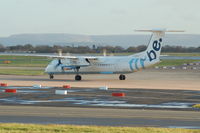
78 77
122 77
51 76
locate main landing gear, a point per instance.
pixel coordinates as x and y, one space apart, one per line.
51 76
78 77
122 77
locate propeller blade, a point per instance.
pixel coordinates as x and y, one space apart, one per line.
59 63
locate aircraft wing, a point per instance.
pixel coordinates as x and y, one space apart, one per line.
73 59
76 62
40 55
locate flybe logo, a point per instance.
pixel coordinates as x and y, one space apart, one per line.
156 47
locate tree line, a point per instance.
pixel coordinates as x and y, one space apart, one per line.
94 49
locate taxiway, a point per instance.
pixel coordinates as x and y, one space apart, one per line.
148 79
148 87
99 116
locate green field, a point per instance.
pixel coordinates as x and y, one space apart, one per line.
175 62
33 128
24 61
21 72
181 54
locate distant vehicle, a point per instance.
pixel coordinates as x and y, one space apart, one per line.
110 64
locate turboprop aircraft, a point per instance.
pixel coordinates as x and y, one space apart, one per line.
109 65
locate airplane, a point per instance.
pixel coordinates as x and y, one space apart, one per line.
109 64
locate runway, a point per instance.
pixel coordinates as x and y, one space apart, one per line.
98 116
148 79
95 98
152 87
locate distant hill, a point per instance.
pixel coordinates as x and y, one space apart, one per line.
43 39
114 40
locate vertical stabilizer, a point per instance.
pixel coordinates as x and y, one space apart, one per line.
155 45
152 53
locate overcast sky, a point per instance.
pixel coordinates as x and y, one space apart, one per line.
96 17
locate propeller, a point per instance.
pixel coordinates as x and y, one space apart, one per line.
59 52
59 63
59 60
104 52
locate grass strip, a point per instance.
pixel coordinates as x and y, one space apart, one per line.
181 54
36 128
196 106
21 72
175 62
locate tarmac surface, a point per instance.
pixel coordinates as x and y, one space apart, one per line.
98 98
99 116
170 94
147 79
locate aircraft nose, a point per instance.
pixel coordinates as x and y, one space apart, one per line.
47 69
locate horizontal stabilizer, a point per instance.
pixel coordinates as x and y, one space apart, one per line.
159 30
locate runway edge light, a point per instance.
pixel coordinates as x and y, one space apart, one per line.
10 91
103 88
61 92
66 86
118 94
3 84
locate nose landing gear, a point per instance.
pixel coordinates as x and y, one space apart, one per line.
51 76
122 77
